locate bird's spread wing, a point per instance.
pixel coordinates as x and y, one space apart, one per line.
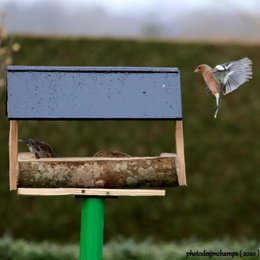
233 74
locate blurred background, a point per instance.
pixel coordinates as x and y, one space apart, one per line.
183 20
220 207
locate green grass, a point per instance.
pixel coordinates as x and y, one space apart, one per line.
222 155
127 249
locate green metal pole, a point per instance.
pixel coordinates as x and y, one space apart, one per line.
92 226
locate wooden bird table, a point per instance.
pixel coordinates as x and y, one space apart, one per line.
86 93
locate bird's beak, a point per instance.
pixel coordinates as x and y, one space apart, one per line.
23 141
196 70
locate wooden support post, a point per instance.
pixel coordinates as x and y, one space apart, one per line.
13 154
180 152
92 226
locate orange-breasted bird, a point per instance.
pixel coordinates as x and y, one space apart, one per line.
225 77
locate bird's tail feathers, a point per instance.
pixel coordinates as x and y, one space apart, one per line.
217 96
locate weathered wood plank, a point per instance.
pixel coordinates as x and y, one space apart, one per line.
98 172
13 154
89 192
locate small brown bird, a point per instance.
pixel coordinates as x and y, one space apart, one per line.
107 153
225 77
40 148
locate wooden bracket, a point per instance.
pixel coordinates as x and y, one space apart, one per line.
180 152
13 154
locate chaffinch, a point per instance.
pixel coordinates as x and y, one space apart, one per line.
225 77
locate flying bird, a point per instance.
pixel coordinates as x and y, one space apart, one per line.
40 148
225 77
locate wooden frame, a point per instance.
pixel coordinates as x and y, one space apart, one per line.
14 171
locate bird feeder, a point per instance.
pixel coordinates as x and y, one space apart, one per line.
85 93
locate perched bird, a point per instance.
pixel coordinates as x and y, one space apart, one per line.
40 148
225 77
107 153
